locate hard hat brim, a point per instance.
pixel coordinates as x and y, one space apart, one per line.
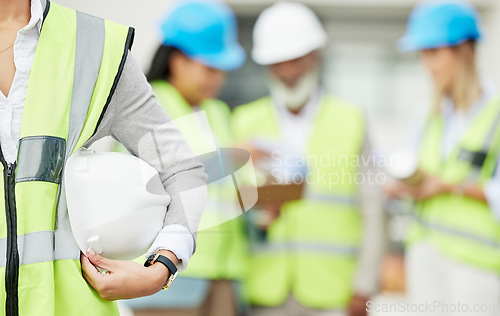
230 59
408 44
271 55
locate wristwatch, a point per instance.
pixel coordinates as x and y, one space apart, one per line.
167 263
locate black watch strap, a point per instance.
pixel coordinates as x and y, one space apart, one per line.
162 259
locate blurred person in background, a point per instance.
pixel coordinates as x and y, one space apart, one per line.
199 44
320 254
453 245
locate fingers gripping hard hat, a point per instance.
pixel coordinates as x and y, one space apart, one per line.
286 31
206 31
116 203
440 23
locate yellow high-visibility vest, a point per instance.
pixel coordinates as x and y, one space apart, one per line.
220 250
78 62
460 227
311 249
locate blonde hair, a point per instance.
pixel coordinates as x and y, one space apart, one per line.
467 88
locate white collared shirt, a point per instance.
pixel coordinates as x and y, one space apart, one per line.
456 122
297 127
11 106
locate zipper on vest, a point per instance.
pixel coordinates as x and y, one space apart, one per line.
12 259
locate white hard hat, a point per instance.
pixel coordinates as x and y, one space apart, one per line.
286 31
116 203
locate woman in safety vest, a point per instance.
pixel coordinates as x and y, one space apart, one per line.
453 244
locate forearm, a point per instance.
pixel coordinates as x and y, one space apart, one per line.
432 186
471 190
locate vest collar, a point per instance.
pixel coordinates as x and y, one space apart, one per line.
45 8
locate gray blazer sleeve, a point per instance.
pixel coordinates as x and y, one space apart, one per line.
135 119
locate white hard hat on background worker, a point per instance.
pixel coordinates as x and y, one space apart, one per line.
116 203
286 31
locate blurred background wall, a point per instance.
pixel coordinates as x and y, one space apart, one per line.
362 64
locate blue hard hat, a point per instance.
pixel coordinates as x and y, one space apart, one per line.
206 31
435 24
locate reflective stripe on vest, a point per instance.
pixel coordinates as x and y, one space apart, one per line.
305 247
332 198
76 68
42 247
460 227
90 38
474 175
458 233
324 227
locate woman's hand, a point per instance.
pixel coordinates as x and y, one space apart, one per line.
430 186
124 279
396 189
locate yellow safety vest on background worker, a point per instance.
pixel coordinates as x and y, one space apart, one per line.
460 227
311 248
77 64
220 250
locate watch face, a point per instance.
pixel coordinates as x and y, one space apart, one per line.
150 260
170 280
